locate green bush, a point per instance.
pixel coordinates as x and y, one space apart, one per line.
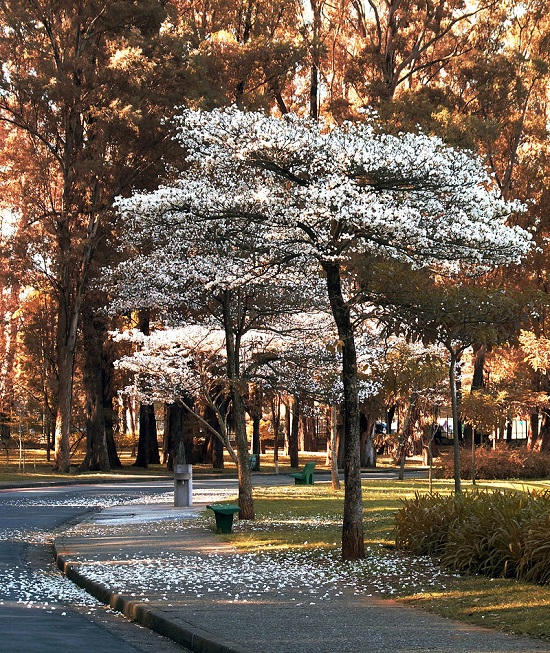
499 534
501 463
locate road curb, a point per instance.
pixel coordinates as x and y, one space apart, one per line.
186 634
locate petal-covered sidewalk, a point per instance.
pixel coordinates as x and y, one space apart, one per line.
165 567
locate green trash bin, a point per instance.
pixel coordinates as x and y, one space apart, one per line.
224 516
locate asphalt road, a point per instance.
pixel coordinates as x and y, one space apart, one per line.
40 610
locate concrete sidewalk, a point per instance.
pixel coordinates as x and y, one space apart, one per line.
165 568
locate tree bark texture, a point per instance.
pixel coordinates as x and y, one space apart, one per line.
216 444
148 448
97 376
353 545
178 434
232 346
65 364
335 479
368 451
293 435
456 422
255 412
94 380
544 433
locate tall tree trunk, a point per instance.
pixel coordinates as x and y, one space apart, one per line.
48 428
148 448
288 427
293 435
255 412
178 435
67 326
275 405
333 439
353 545
316 6
94 379
108 415
545 433
72 287
455 355
65 364
232 346
101 451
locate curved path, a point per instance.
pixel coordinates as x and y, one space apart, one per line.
166 568
40 610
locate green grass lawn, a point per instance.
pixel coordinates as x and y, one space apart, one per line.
309 518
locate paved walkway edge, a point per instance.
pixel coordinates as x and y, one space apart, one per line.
179 631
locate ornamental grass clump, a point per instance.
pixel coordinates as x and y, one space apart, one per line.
500 534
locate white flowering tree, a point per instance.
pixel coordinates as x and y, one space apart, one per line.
213 271
329 196
173 364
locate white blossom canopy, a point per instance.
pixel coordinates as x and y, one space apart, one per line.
329 191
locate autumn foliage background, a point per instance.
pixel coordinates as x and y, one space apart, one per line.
88 91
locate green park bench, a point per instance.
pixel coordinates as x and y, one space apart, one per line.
305 477
224 516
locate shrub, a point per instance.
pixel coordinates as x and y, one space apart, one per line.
500 463
498 534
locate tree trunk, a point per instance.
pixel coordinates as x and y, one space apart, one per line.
533 436
72 288
108 414
544 435
216 444
368 452
232 346
456 422
148 448
275 405
48 424
333 440
316 7
353 545
293 435
65 363
68 310
217 453
178 435
310 434
94 377
255 412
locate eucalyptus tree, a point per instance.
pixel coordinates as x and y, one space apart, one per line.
80 91
327 196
